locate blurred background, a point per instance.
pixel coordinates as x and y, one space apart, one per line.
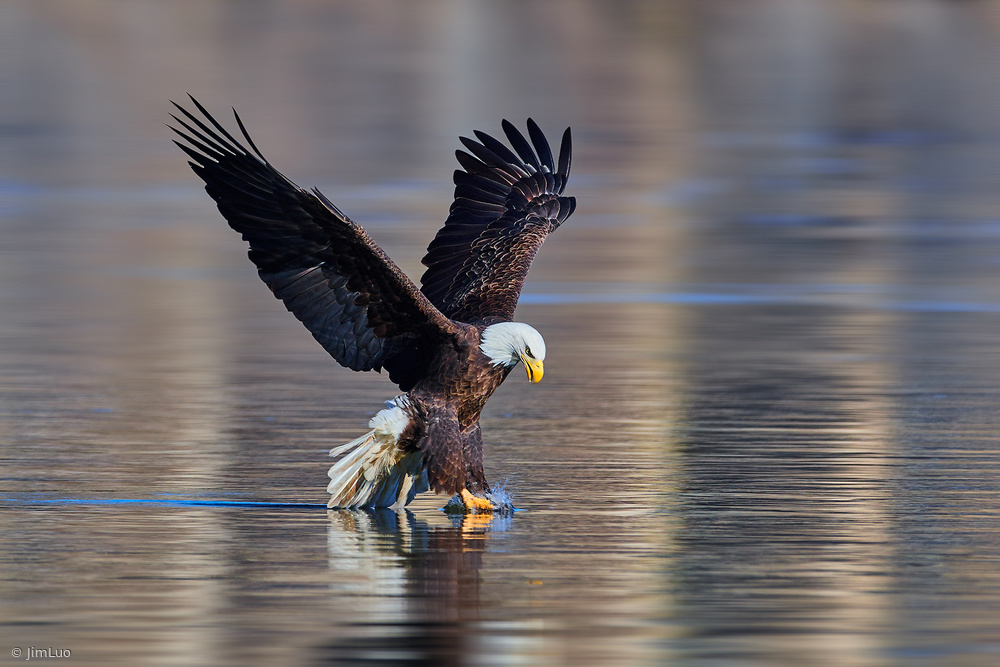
766 433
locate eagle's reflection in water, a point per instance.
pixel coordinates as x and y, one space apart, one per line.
414 584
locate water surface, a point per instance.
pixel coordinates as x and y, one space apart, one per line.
767 431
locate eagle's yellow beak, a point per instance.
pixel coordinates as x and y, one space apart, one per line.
534 368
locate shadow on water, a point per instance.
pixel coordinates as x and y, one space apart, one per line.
428 575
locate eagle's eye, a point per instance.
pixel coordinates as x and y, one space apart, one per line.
527 351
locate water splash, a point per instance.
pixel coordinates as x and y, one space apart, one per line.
502 501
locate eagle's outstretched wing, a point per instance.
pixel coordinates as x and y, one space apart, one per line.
326 269
505 205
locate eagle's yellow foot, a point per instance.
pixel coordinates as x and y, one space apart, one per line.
475 504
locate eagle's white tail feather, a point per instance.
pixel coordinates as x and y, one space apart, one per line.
374 471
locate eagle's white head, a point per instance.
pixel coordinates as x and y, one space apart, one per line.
507 342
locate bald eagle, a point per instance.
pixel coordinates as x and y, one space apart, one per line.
447 345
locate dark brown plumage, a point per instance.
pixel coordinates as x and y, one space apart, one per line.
368 315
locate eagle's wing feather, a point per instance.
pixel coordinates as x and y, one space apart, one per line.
506 203
326 269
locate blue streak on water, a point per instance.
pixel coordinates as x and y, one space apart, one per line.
804 298
553 299
158 502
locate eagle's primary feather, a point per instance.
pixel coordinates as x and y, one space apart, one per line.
449 344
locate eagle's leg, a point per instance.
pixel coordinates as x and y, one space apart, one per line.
475 504
472 452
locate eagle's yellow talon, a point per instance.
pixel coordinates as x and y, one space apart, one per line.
474 504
